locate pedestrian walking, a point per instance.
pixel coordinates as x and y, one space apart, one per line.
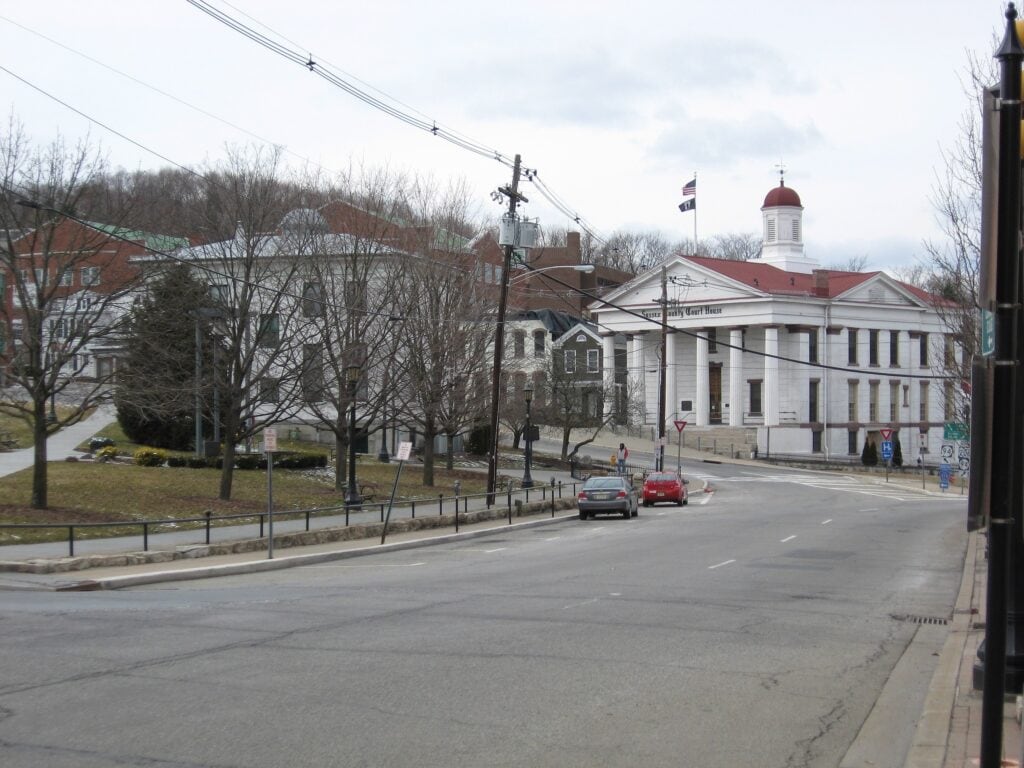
620 458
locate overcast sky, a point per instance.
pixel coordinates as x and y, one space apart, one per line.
616 104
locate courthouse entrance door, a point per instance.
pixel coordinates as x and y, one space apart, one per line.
715 394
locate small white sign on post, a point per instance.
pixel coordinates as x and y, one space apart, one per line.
404 451
269 440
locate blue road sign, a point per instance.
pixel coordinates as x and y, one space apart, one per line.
887 450
944 472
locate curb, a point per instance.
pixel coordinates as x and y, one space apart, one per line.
291 561
931 738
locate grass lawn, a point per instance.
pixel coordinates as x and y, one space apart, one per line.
15 429
81 492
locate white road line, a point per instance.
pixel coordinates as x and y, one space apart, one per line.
826 522
788 538
727 562
379 565
706 499
499 549
553 538
577 605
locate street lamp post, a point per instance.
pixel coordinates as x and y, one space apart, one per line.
352 497
528 453
383 455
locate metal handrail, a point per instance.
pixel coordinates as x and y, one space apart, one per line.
208 520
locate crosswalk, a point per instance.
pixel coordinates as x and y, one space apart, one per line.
841 483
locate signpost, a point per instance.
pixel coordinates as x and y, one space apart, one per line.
680 426
886 450
402 454
269 446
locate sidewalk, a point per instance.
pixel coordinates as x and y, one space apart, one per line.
59 446
949 734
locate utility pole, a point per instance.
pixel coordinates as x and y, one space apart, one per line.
514 198
659 460
1004 506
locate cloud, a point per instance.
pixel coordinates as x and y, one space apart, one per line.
710 141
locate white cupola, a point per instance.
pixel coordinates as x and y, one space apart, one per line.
782 242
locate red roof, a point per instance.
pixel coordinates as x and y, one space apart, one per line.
772 280
782 195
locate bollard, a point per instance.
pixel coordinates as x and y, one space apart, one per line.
209 514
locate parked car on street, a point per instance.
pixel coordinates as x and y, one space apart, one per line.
664 486
608 494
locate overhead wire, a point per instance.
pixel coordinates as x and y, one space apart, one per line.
758 353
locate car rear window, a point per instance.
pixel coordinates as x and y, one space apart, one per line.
658 478
603 482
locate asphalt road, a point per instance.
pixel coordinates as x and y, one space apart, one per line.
754 629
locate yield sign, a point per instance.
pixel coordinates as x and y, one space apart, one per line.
680 425
886 434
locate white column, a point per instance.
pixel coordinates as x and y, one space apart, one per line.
771 376
671 383
736 377
703 401
638 371
608 369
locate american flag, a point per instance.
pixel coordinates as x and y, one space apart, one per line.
690 188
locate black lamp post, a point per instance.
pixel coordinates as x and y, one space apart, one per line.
352 497
384 456
528 453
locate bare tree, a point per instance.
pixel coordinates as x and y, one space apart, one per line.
735 246
447 336
572 404
954 263
355 291
851 264
69 283
254 276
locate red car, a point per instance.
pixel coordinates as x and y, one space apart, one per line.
664 486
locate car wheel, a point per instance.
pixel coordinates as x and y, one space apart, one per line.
583 515
686 501
680 502
636 512
628 513
647 503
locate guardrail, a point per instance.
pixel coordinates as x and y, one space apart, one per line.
209 521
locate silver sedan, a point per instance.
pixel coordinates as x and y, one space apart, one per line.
608 494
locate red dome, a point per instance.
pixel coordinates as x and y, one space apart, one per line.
782 195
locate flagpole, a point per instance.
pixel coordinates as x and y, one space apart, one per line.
695 219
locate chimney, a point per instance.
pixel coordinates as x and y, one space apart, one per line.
572 247
821 282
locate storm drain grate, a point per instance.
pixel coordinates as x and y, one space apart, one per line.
921 619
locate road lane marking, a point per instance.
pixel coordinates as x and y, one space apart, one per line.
499 549
577 605
377 565
826 522
788 538
719 565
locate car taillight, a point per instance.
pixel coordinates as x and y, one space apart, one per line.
621 494
581 495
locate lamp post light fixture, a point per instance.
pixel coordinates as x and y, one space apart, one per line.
352 497
528 452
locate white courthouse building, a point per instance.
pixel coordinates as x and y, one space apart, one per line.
817 361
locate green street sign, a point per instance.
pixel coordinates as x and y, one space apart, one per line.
954 430
988 333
